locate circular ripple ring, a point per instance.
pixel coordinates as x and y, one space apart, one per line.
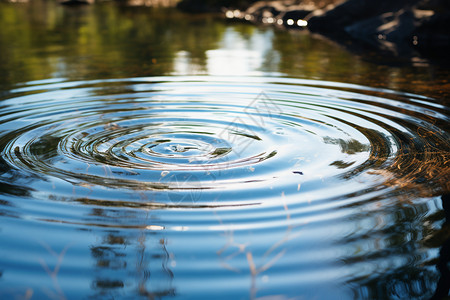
222 135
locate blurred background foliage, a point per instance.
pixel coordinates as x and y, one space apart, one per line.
42 39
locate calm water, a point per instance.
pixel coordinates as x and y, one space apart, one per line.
151 154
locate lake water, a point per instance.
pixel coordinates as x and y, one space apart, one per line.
150 154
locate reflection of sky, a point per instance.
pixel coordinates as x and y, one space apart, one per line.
236 55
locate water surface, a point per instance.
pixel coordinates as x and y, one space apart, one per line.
151 154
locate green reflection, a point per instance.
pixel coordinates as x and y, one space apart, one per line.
43 40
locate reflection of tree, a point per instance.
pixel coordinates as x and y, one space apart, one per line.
45 147
390 259
12 182
122 255
442 264
421 169
387 261
233 249
109 258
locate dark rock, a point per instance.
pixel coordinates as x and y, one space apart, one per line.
296 14
432 36
265 9
398 26
336 18
435 5
278 12
392 31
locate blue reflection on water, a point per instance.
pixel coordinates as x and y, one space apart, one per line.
145 194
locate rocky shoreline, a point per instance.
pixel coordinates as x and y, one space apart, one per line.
403 28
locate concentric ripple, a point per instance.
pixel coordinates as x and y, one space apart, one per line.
277 178
139 134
